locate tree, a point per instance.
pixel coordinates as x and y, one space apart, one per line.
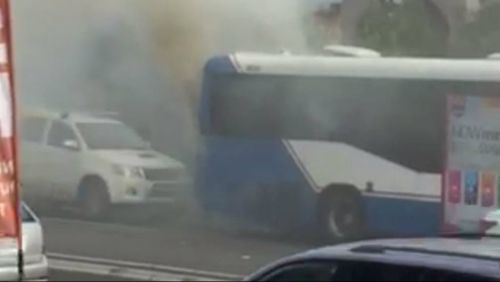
481 36
409 28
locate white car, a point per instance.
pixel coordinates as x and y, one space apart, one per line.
35 261
94 161
491 223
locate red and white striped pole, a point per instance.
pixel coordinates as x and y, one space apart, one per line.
10 202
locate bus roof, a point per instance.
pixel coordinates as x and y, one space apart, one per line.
404 68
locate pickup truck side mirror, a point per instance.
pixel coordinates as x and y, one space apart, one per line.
71 145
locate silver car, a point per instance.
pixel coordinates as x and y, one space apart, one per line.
35 261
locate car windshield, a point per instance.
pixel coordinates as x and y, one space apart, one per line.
26 215
110 136
204 139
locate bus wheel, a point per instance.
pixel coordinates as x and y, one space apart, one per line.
342 216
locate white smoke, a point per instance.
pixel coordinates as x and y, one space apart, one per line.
140 57
52 36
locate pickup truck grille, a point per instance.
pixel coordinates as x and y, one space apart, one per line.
162 174
162 191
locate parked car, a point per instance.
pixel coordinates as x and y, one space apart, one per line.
35 261
432 259
94 160
490 224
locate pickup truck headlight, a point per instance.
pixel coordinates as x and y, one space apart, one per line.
128 171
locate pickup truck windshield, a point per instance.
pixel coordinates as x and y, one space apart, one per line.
110 136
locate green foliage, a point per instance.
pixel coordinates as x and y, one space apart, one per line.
405 29
480 37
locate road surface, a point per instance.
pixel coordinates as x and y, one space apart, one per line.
163 249
76 276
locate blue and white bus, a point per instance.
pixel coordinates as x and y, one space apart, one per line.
344 144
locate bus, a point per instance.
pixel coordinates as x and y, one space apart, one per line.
339 145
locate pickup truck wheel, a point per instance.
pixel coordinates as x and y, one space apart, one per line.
94 199
342 216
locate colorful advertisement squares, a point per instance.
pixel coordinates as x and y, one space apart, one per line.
471 188
454 186
488 187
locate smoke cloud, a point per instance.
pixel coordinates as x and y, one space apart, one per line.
142 58
54 37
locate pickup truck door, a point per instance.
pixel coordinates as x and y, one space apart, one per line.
62 158
33 135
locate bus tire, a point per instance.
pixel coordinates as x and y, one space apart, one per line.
93 198
341 214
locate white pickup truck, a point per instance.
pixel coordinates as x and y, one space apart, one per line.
94 161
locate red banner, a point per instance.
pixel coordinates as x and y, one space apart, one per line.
9 194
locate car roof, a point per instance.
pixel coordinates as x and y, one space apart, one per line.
487 247
474 256
90 119
73 117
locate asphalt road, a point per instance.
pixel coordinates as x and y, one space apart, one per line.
157 249
75 276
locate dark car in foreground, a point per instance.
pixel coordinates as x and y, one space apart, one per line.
473 258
